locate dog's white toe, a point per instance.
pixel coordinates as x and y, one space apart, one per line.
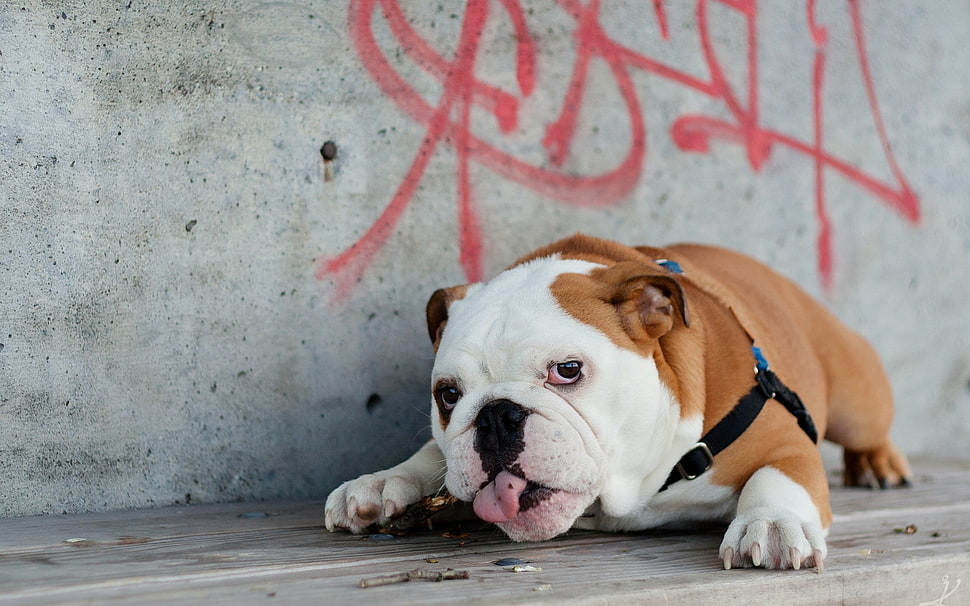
772 539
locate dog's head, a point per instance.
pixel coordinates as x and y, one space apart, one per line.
546 389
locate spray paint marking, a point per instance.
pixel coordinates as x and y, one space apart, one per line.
448 120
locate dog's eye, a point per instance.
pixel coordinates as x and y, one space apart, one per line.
564 373
447 396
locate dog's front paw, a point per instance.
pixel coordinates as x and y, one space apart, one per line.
370 499
772 539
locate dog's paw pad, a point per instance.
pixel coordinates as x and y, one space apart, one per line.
772 540
368 500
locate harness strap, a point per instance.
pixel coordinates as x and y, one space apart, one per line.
778 391
767 386
699 459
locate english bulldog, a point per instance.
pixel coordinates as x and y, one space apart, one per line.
598 386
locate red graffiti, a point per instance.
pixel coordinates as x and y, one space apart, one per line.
448 119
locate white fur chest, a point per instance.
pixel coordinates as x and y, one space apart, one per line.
682 504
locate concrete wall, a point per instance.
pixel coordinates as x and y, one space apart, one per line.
197 307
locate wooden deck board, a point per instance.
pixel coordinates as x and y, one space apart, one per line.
211 555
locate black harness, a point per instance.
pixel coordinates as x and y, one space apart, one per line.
767 386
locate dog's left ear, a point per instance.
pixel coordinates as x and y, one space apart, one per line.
437 310
646 299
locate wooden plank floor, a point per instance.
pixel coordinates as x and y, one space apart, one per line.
220 555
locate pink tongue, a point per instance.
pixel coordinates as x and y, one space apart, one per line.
499 500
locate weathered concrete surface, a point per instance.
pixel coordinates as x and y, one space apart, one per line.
179 320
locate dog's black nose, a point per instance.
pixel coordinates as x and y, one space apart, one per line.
499 438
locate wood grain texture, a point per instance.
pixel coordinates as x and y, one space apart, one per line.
210 555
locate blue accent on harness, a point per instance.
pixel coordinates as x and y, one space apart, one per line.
671 266
760 362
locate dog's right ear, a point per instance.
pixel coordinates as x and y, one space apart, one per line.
437 310
646 297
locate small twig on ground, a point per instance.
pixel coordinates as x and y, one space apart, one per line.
413 575
420 511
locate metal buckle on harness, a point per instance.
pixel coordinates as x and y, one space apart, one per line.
763 375
702 449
